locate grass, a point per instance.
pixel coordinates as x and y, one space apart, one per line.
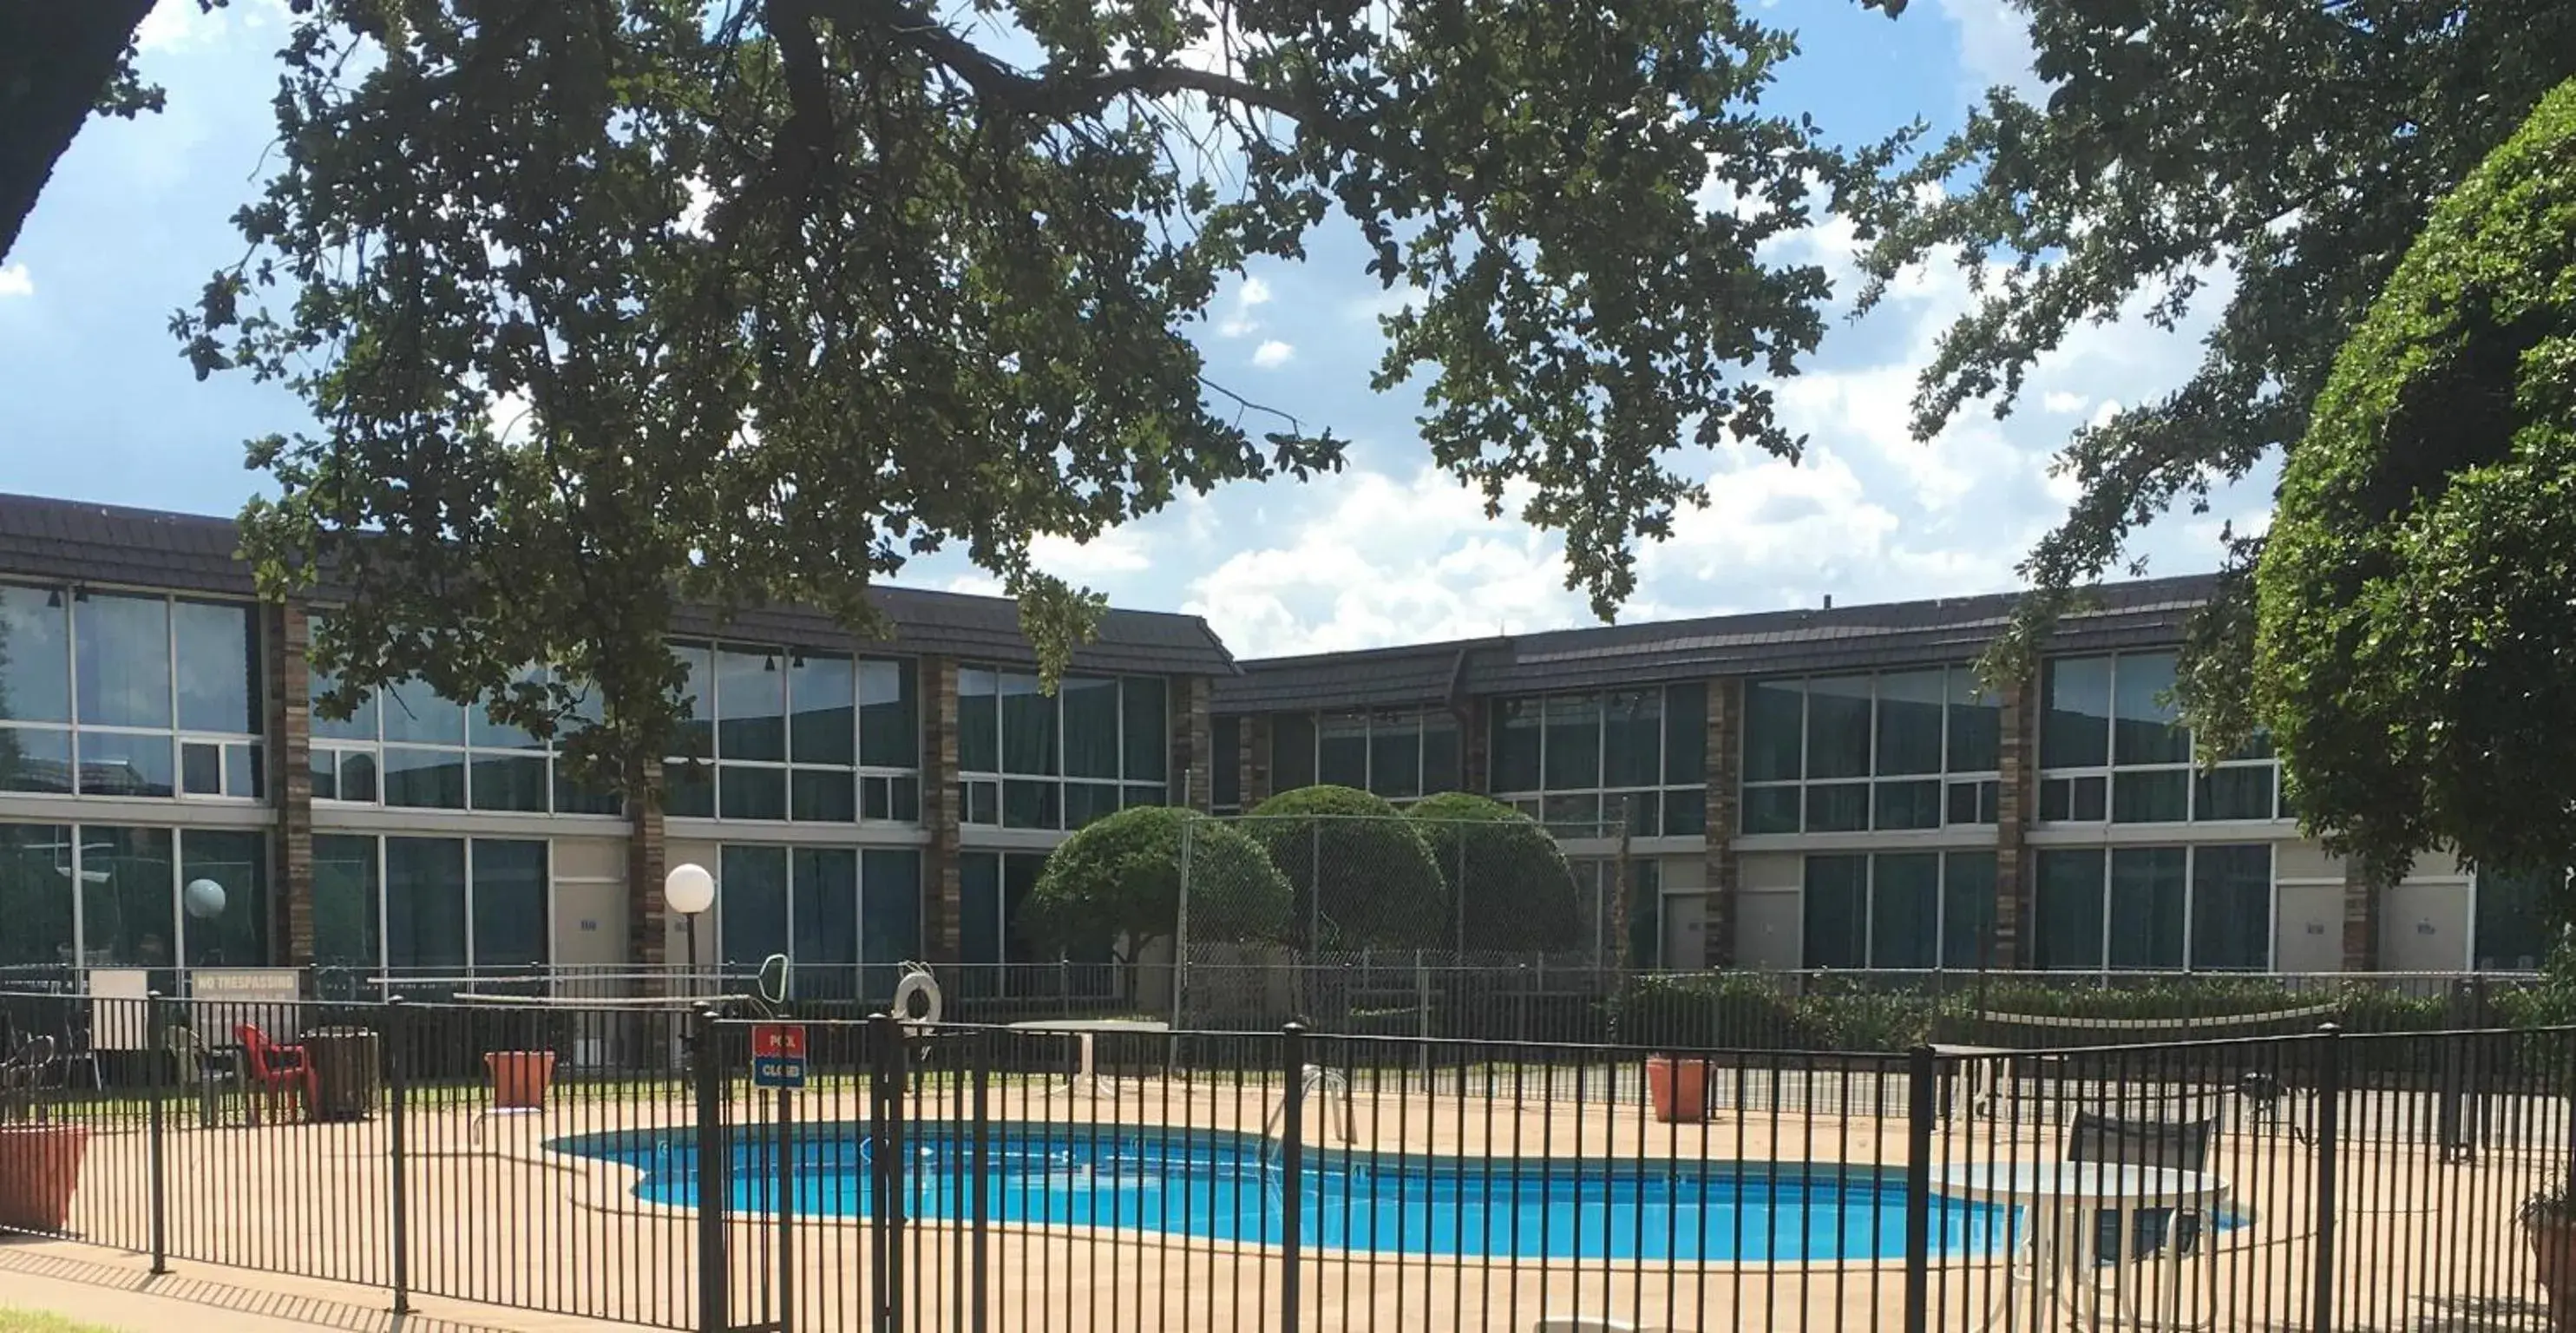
37 1321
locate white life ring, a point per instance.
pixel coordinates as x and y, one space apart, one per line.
917 984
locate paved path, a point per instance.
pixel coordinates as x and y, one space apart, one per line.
127 1298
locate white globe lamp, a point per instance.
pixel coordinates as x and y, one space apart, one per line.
689 890
203 898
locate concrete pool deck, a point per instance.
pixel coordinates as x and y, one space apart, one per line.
500 1218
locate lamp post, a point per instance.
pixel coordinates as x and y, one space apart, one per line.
689 890
203 899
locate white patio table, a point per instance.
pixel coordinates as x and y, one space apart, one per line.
2060 1202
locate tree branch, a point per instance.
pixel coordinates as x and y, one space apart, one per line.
1047 96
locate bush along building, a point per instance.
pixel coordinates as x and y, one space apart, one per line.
1796 789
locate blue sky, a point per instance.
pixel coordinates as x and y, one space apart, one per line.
100 406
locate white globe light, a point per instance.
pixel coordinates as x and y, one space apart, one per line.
203 898
689 889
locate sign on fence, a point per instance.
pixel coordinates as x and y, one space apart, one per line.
778 1055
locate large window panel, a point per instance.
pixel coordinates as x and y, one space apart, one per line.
826 908
752 904
696 735
218 661
346 931
1906 805
123 651
1838 727
751 705
1837 911
1905 910
129 899
1775 720
979 908
36 895
979 720
822 727
1515 744
1342 749
1292 751
510 782
750 791
1772 809
2069 905
114 763
35 655
1092 738
2234 793
415 713
1976 721
510 903
1912 711
2156 796
1686 735
484 732
425 903
1147 707
2517 917
890 910
1395 755
2145 726
1632 739
1967 909
1573 742
424 779
2076 730
2231 907
1225 756
1029 741
1019 876
35 759
890 717
1440 759
359 725
236 861
2148 886
1838 807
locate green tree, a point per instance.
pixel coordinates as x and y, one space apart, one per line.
604 305
1362 874
2416 623
2300 147
1507 879
1119 879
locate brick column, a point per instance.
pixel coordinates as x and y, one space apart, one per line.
943 897
2360 918
1193 772
647 863
1252 743
1475 759
2016 804
1725 789
289 636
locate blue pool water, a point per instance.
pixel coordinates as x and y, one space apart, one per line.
1227 1186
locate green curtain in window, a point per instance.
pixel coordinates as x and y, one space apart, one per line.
2069 903
1904 910
2147 889
1837 911
2517 919
129 902
2075 731
1292 751
425 903
236 860
1775 720
1838 726
1440 760
1632 739
1029 741
510 903
824 940
1093 739
36 895
889 716
979 726
2231 907
1913 708
346 932
2144 730
1149 758
1968 909
1686 734
751 704
979 911
1573 742
1395 755
823 722
1342 749
889 916
1976 722
751 903
1514 742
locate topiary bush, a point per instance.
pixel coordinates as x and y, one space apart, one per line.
1360 874
1119 878
1507 878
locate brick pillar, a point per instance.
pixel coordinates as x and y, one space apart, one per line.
647 863
289 637
1252 742
2016 804
1475 758
1193 746
2360 918
1725 750
943 897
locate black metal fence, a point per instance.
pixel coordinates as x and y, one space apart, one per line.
619 1162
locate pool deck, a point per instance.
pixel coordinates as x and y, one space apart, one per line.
503 1219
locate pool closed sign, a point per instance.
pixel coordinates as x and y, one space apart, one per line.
778 1055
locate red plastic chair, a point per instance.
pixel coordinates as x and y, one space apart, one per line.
276 1071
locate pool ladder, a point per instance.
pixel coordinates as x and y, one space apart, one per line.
1313 1079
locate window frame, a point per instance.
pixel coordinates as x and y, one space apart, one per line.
1943 859
2102 964
2063 796
981 791
1591 812
1417 723
74 851
378 844
241 770
1982 789
878 786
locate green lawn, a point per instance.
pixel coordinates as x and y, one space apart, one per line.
36 1321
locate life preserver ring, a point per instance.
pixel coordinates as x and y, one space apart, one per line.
917 984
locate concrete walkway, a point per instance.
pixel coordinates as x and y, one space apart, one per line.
201 1298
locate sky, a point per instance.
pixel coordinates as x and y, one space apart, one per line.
101 407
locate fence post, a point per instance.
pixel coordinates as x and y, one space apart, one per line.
1292 1172
886 1169
715 1174
156 1025
397 1142
2329 1117
1921 1081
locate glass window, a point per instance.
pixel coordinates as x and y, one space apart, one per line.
2231 907
1838 727
751 791
1632 739
1395 755
1837 807
485 733
1967 909
2516 918
425 779
1088 801
2145 729
1440 771
696 736
822 729
346 933
979 726
123 764
1907 805
2069 905
237 862
1837 911
509 903
1771 809
823 795
890 911
1032 805
359 725
36 895
416 713
1225 756
510 782
1148 758
825 913
122 645
35 759
752 910
1092 738
2147 888
751 705
35 655
1912 712
1904 910
2233 793
218 668
2075 732
1515 745
889 716
1686 812
425 903
1019 876
1775 713
979 908
1686 735
1292 751
689 790
1976 724
1342 749
1573 742
1028 726
129 904
2155 797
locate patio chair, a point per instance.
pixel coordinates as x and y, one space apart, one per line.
272 1072
2179 1145
22 1074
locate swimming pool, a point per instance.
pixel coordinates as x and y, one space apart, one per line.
1221 1185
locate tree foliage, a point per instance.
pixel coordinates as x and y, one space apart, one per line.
1119 877
1508 879
2416 617
600 305
1362 875
2293 150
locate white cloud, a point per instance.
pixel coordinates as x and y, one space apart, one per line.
1251 295
1994 45
2058 402
1117 551
180 25
1272 353
15 282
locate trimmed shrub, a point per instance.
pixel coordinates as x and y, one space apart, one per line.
1360 874
1508 879
1120 876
